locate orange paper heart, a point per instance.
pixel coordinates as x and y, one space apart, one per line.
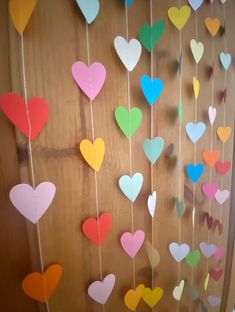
133 296
211 157
41 286
212 25
224 133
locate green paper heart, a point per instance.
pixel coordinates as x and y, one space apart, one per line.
150 35
180 207
192 258
180 112
128 121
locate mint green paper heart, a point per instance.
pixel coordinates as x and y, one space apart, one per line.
150 35
179 207
192 258
153 148
127 121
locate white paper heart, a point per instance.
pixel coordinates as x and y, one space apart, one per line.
197 49
212 114
152 203
222 195
100 291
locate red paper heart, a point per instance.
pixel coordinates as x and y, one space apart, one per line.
222 167
96 231
216 274
209 220
15 109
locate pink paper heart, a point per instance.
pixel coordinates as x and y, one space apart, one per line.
100 291
210 190
219 253
89 79
32 203
132 243
221 196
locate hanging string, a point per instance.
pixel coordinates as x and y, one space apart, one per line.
30 156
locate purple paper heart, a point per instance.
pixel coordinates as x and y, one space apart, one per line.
210 190
214 301
208 250
100 291
179 252
195 4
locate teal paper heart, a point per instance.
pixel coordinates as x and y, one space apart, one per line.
153 148
89 8
150 35
179 207
194 172
131 186
225 60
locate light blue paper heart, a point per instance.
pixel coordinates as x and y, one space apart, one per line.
129 2
151 88
225 60
89 8
195 4
194 172
153 148
131 186
195 131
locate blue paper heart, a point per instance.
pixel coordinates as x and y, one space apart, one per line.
195 131
129 2
153 148
225 60
89 8
151 88
131 186
195 4
194 172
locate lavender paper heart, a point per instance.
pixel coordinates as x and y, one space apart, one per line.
214 301
179 252
208 250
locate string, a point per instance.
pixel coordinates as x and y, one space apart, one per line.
130 142
95 173
30 155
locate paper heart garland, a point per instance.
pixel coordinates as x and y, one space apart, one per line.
128 121
224 133
194 172
195 4
128 52
178 290
89 79
212 25
193 258
210 190
211 157
153 254
197 49
100 291
222 167
225 59
179 17
132 243
210 221
32 203
180 207
195 130
152 297
15 109
131 186
97 230
196 87
39 286
20 12
153 148
133 296
207 250
216 274
179 252
150 35
89 9
152 88
93 153
212 114
221 196
219 253
152 203
214 301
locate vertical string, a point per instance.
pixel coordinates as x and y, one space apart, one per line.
30 155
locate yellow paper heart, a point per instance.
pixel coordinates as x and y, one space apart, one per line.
20 12
93 153
224 133
153 254
212 25
196 87
206 281
133 296
152 297
179 17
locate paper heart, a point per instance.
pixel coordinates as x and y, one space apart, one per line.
152 88
20 12
207 250
152 203
179 17
222 167
195 130
196 87
203 307
89 9
225 59
153 254
212 25
93 153
133 296
214 301
100 291
223 1
193 293
210 190
90 79
153 148
209 220
197 49
152 297
150 35
97 230
41 286
129 2
132 243
128 52
211 157
206 282
30 123
195 4
194 172
224 133
216 274
179 252
180 207
219 253
131 186
180 112
32 203
128 121
178 290
212 114
220 226
221 196
192 258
